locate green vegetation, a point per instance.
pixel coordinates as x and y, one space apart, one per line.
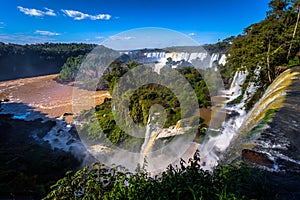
70 69
221 47
188 181
101 125
88 69
140 103
37 59
91 69
271 43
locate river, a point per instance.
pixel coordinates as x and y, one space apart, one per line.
47 96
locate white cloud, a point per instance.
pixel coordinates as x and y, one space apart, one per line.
47 33
192 34
25 39
77 15
2 24
115 37
50 12
99 37
35 12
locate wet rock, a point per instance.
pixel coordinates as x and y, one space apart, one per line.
4 100
258 158
73 131
71 141
231 114
41 132
287 185
288 166
55 140
67 114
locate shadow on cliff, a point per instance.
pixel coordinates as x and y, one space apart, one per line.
28 165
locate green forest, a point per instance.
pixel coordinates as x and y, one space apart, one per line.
102 126
19 61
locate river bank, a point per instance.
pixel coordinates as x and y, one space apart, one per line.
38 143
47 96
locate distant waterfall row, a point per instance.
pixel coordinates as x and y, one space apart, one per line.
162 56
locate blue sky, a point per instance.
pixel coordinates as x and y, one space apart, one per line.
93 21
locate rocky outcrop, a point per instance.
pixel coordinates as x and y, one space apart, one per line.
27 162
258 158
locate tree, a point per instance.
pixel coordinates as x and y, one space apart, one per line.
278 7
269 43
297 6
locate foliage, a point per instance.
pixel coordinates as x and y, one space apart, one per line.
188 181
221 47
140 103
270 43
70 68
102 126
37 59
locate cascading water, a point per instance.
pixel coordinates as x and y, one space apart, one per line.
213 146
235 89
270 141
148 135
161 56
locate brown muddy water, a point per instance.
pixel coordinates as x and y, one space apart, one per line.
47 96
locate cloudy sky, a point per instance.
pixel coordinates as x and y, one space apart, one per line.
94 21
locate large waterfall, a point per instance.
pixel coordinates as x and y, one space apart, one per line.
259 136
214 145
272 142
148 137
161 56
243 134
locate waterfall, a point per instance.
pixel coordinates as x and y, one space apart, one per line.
157 55
146 140
235 89
272 98
161 56
214 57
147 135
249 136
222 60
213 146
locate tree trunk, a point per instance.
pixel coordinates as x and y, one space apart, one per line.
268 62
294 34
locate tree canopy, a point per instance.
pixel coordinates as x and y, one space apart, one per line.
270 43
19 61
